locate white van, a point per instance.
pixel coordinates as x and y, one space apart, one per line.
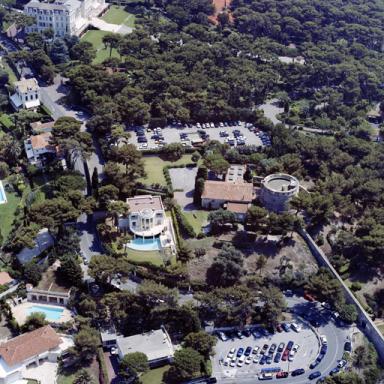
266 376
296 327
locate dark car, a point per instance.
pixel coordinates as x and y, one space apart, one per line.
314 375
286 327
212 380
280 348
314 364
279 328
265 347
264 332
256 334
298 372
348 346
277 357
272 349
324 349
240 352
269 360
334 371
314 322
142 139
247 332
263 360
290 345
248 351
320 357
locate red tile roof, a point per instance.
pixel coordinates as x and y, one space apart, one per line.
237 207
228 191
28 345
5 278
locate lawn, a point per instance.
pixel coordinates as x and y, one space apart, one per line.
11 74
197 219
153 257
96 39
381 328
7 213
154 168
6 121
154 376
117 15
69 375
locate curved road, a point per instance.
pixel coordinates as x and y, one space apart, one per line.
336 338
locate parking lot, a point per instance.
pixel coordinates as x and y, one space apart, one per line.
306 340
314 355
193 135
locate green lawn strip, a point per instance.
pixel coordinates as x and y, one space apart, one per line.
7 212
154 376
117 15
68 376
11 74
197 219
154 257
96 39
206 242
381 328
154 168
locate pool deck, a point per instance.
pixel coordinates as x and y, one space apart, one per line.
20 312
2 193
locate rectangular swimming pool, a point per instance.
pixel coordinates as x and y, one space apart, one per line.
3 199
141 244
51 313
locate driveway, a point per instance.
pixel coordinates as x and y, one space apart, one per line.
44 373
183 181
112 365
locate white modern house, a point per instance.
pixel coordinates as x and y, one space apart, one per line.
37 147
148 223
27 94
156 344
29 350
64 17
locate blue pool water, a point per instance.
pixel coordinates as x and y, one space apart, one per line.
2 194
51 313
141 244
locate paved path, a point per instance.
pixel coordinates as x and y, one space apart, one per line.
8 291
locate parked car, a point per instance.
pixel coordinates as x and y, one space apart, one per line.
114 351
233 362
277 357
286 327
240 335
222 336
298 372
255 350
248 351
266 376
280 348
291 355
263 360
256 359
279 328
296 327
241 360
348 346
272 348
231 352
334 371
295 348
314 375
265 347
323 339
290 345
282 374
314 364
342 363
240 352
248 360
247 332
269 359
285 355
256 334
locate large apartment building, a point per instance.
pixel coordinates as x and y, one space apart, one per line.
64 17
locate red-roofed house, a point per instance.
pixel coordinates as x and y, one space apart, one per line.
5 279
32 348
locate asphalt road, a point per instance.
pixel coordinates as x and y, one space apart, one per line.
336 337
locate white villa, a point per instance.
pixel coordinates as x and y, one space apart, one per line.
64 17
30 350
148 223
27 94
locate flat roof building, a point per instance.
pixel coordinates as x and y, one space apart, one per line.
157 345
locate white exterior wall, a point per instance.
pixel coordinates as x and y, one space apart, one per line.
139 223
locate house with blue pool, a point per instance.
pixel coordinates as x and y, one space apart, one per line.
152 230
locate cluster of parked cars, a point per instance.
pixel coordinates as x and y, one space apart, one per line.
264 137
217 125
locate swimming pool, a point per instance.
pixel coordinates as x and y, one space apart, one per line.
51 313
141 244
3 198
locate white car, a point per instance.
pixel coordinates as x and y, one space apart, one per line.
255 350
233 362
342 363
256 359
323 339
291 355
114 351
240 363
231 352
227 361
198 125
248 360
295 348
212 125
296 327
222 336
